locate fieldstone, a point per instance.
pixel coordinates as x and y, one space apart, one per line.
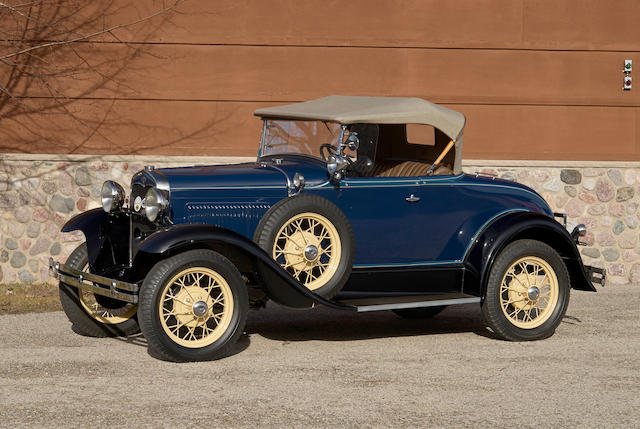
628 240
604 190
1 275
96 191
66 183
634 274
40 214
625 193
616 270
26 277
25 243
55 249
16 229
8 200
611 254
18 259
589 222
33 230
631 221
37 198
596 209
509 175
9 276
561 200
632 207
589 184
60 204
540 175
116 172
587 197
49 188
629 256
83 178
72 236
11 244
572 177
575 208
82 192
33 265
589 239
618 227
42 244
81 204
571 191
553 185
4 182
605 238
522 175
51 230
591 252
615 176
630 177
4 256
616 210
606 221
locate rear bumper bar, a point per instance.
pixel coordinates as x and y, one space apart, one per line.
93 283
596 275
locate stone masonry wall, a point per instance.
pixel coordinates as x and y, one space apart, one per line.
39 193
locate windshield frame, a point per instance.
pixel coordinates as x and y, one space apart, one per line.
306 155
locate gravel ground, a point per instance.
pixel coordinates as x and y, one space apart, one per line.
325 368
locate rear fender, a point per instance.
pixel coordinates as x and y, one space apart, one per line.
237 248
516 226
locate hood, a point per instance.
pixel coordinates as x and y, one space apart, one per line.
269 173
251 174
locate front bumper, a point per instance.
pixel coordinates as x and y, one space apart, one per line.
93 283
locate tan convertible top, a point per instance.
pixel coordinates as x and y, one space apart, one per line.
371 110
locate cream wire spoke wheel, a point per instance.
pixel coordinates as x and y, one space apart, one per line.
308 246
196 307
529 292
103 313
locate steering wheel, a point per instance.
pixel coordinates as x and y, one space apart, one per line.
330 149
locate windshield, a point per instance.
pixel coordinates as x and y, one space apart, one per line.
298 137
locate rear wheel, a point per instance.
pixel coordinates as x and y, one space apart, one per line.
527 292
193 306
91 314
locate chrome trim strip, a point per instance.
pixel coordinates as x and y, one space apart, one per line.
289 185
421 304
485 225
407 264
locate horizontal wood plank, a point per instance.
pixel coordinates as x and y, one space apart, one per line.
230 129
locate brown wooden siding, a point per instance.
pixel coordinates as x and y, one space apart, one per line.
536 79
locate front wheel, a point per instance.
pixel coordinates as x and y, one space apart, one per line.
527 292
193 307
91 314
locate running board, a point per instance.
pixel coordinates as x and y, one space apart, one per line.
419 304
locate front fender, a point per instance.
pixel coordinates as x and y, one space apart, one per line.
90 223
515 226
184 237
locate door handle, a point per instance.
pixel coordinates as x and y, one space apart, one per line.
412 199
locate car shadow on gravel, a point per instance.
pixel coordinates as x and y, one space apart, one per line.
284 324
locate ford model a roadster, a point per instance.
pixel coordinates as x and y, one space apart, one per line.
342 208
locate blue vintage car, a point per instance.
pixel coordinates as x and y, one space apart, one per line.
355 203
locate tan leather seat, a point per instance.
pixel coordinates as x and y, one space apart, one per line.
407 169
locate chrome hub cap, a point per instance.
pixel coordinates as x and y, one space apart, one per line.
199 309
310 252
533 293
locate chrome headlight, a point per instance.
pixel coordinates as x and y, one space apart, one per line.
155 204
112 196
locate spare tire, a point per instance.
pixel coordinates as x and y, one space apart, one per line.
311 239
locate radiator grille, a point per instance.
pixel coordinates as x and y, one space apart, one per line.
225 214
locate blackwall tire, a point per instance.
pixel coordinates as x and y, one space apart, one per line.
93 315
193 307
311 239
527 292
